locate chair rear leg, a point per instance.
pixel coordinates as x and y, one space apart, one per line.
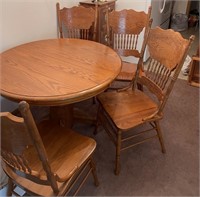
118 150
94 173
91 166
159 133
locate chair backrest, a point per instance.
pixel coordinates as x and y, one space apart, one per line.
167 50
125 29
20 144
77 22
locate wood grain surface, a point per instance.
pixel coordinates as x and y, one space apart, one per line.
57 71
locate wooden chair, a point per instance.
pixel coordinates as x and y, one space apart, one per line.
46 160
125 29
77 22
121 111
194 71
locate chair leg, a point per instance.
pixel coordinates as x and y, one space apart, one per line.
97 121
10 187
94 173
160 136
118 150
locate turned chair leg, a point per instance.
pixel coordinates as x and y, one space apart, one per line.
118 150
94 173
159 133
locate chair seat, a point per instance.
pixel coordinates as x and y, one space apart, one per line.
127 72
67 153
127 109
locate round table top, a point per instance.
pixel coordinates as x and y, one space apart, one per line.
57 71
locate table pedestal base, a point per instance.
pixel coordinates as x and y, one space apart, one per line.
63 115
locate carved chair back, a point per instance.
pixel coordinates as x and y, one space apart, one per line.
77 22
125 29
167 50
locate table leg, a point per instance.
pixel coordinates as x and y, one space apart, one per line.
63 115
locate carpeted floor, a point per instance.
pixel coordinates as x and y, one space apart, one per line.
145 170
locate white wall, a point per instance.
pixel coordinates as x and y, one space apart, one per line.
180 6
139 5
24 21
28 20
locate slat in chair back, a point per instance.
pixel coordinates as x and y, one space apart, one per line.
77 22
21 146
168 50
125 29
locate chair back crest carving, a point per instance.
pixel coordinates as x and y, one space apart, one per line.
168 42
124 30
128 21
77 17
77 22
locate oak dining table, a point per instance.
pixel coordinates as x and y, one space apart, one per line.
57 73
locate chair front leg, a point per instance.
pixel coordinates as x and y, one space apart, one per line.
93 167
159 133
118 150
